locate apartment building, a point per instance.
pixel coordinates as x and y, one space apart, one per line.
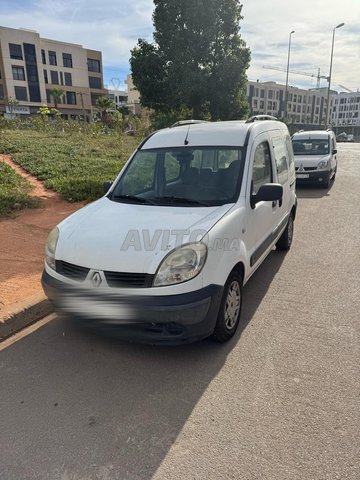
133 96
304 106
119 97
346 109
30 66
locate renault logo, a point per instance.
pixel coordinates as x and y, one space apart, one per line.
96 279
301 167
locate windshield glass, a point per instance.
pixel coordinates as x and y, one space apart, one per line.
311 146
198 176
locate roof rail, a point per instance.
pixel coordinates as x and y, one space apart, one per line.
187 122
258 118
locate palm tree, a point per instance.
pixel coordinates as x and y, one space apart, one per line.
56 94
104 104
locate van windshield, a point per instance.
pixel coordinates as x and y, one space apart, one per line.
311 146
198 176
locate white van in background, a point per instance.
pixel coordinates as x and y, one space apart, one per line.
315 157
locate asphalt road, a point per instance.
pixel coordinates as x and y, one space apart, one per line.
279 402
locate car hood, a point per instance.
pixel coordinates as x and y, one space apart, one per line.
108 235
309 160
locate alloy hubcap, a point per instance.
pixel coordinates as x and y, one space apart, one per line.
232 305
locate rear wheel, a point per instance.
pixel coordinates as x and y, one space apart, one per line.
230 308
285 241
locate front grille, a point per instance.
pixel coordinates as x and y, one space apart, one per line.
75 272
307 169
127 280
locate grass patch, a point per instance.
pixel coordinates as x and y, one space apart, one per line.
75 165
14 191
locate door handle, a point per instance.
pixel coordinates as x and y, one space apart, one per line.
274 203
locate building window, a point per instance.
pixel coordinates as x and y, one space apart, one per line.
54 77
262 93
30 53
93 65
94 98
52 58
18 73
71 98
46 80
32 73
95 82
1 92
34 92
67 60
21 93
68 79
43 56
15 51
270 94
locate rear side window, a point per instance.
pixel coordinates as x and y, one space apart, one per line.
280 154
262 171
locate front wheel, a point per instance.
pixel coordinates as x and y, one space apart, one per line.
230 308
285 241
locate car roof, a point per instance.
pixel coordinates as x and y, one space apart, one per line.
316 134
230 133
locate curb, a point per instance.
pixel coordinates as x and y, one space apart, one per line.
24 313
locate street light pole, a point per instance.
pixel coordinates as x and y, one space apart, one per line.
287 77
329 77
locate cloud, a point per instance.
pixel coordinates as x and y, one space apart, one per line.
113 26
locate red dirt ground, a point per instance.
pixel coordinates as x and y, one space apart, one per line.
22 240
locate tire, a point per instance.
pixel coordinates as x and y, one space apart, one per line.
285 241
230 308
327 184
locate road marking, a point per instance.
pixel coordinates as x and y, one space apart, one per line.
26 331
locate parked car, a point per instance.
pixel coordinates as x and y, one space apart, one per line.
345 137
164 255
315 157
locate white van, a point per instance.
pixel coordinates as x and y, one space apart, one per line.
164 255
315 157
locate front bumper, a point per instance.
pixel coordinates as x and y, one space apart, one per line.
154 319
318 177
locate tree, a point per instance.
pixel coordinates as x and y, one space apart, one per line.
104 104
197 60
56 94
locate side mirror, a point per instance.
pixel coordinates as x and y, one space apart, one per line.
269 192
107 185
334 151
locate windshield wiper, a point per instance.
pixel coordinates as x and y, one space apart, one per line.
133 198
187 201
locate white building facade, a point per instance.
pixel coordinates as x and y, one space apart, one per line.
346 109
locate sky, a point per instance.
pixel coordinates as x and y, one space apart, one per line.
113 26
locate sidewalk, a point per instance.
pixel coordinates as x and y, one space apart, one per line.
22 242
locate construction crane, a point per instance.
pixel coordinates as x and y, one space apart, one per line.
297 72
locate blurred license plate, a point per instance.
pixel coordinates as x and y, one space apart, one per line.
302 175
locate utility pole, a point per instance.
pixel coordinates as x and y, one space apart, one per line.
287 77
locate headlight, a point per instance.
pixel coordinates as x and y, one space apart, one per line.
181 265
322 164
51 247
